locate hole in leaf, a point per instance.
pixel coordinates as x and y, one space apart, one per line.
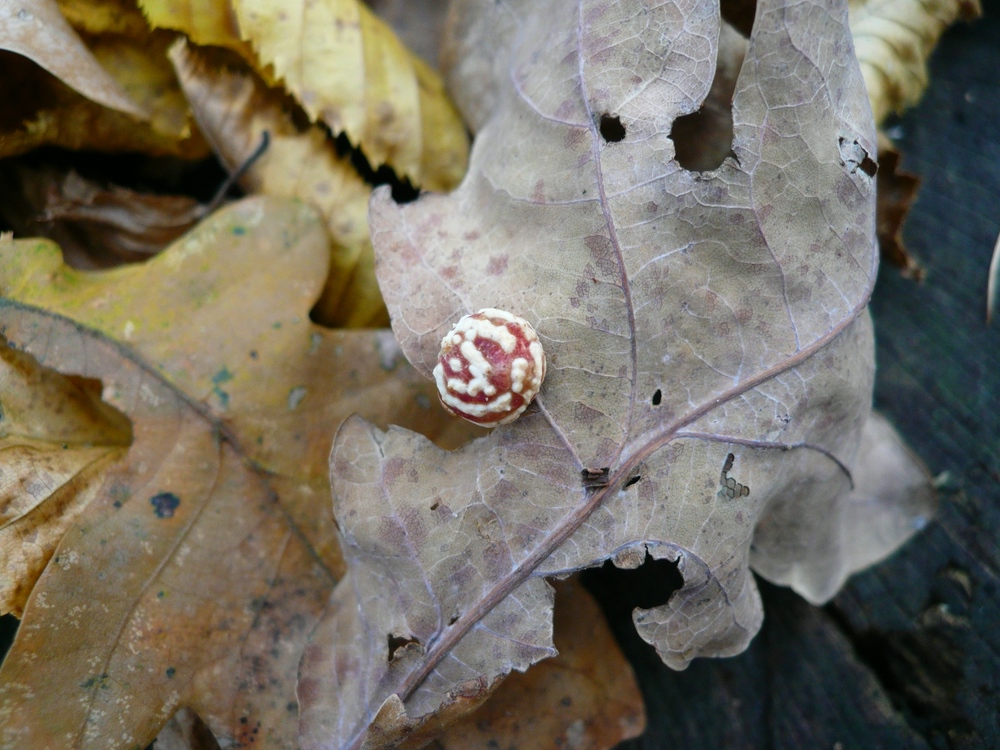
435 505
704 139
453 620
657 396
850 151
868 166
620 591
633 480
612 129
397 642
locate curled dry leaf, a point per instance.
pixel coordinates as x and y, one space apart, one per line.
210 538
896 189
38 31
43 110
709 358
234 108
893 40
346 68
95 226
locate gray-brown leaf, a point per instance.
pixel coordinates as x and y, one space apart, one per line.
710 355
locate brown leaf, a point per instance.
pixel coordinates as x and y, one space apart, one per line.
57 439
709 354
585 697
202 559
95 226
896 190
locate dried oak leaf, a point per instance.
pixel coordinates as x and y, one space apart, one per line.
709 359
200 560
234 109
585 697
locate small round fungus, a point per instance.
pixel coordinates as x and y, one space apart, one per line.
490 367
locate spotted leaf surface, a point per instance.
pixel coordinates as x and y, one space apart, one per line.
709 353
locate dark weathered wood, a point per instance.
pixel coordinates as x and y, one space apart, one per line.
908 655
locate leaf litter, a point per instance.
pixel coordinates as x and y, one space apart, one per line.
200 558
887 506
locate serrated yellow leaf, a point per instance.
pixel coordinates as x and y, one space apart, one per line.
347 68
209 22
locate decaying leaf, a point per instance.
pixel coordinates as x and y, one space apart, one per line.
893 40
585 697
57 438
70 105
95 226
234 108
896 189
202 558
167 586
709 358
38 31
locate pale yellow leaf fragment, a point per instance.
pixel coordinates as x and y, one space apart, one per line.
346 67
46 103
56 440
893 40
204 21
235 108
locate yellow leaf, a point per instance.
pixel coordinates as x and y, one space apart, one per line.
346 68
208 22
143 71
893 40
92 17
234 108
223 536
